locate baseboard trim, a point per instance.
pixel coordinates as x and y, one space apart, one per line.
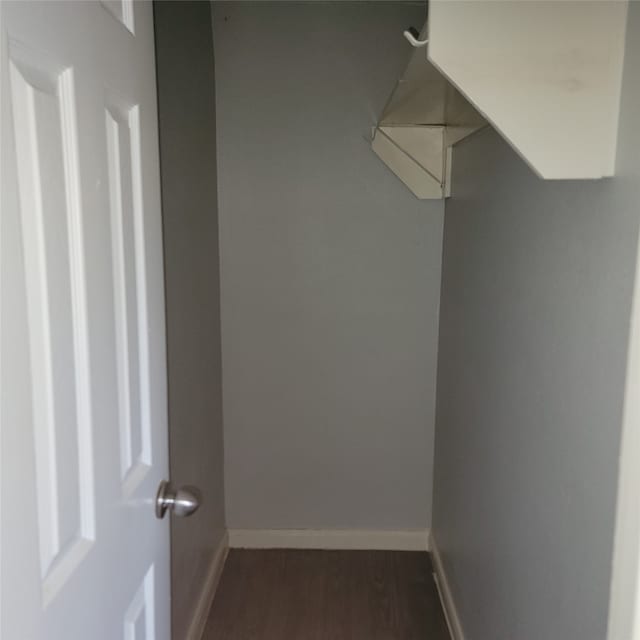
196 629
444 590
414 540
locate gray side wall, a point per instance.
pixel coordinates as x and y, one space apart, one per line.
536 294
186 100
330 272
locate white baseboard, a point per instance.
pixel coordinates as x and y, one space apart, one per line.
444 590
414 540
196 629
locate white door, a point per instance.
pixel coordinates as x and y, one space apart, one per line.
83 382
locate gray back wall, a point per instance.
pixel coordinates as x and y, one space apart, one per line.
330 273
186 108
536 293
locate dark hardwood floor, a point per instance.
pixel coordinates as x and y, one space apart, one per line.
326 595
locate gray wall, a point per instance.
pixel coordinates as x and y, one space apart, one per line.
186 102
330 273
536 292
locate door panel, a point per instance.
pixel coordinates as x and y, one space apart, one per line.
127 242
122 10
47 168
139 618
83 440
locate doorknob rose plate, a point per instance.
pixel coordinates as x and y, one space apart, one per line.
182 503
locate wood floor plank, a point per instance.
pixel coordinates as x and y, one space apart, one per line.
286 594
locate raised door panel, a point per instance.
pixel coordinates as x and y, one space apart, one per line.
128 256
51 218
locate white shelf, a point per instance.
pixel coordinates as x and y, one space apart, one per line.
547 75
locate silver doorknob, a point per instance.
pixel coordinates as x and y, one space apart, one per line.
182 502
